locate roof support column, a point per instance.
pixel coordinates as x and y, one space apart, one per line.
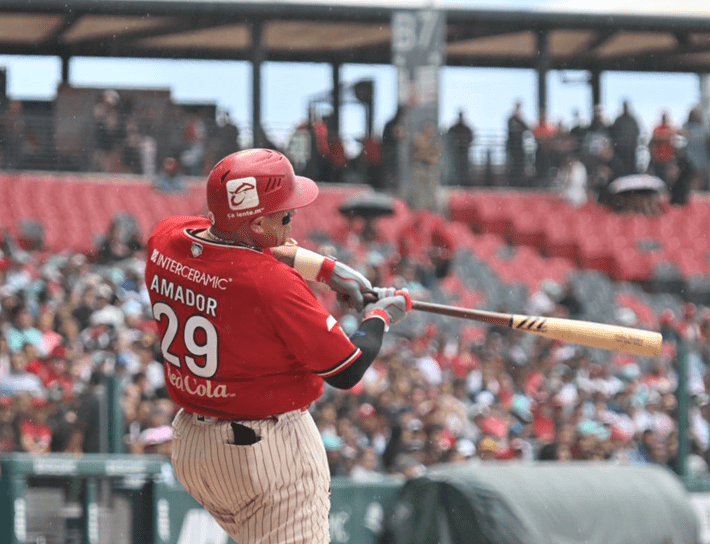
595 77
65 69
335 121
543 66
704 100
258 57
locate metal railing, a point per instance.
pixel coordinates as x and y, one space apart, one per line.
36 139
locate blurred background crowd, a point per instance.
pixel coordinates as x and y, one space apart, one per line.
72 322
440 391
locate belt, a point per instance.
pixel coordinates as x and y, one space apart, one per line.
213 419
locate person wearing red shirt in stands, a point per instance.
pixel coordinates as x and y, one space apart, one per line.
545 133
35 434
662 147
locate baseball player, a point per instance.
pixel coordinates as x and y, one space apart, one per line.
247 348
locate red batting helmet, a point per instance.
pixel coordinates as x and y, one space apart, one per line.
251 183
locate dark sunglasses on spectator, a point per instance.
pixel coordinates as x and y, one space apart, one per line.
286 219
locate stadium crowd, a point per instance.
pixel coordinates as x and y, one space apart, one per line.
69 322
578 157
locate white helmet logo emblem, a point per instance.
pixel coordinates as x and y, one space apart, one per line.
242 193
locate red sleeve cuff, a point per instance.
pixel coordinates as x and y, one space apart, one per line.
326 270
378 312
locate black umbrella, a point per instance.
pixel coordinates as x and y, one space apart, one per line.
368 206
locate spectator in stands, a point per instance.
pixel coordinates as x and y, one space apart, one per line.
517 127
487 448
227 136
299 147
122 240
515 150
393 134
603 167
170 178
578 131
155 434
663 147
109 133
194 145
425 243
624 133
19 380
139 149
598 149
4 357
55 376
337 160
369 163
45 324
22 329
88 409
645 450
63 421
459 139
35 433
13 132
682 177
545 133
367 466
317 166
8 431
696 149
571 181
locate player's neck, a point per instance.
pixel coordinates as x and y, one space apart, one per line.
207 234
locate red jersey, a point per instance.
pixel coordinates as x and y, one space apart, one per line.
242 334
662 148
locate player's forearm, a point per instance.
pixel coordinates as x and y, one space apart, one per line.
368 338
312 266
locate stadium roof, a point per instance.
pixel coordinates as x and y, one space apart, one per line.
355 32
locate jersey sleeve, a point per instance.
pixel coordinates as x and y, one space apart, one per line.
312 335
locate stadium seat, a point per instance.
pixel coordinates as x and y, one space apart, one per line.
559 241
526 228
631 266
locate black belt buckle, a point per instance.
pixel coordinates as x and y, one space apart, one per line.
243 435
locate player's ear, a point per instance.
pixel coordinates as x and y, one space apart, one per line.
257 225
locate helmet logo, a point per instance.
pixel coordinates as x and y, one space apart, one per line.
242 193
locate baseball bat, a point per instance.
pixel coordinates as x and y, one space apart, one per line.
586 333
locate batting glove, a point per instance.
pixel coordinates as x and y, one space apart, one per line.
392 308
350 283
339 277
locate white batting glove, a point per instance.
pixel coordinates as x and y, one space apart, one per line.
351 283
384 292
391 309
338 276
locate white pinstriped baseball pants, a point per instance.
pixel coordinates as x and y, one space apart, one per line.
274 491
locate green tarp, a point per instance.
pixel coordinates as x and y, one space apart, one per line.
542 503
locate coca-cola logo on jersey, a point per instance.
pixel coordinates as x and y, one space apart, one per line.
197 387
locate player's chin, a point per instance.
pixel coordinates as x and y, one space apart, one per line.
275 240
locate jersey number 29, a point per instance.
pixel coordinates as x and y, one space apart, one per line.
190 330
